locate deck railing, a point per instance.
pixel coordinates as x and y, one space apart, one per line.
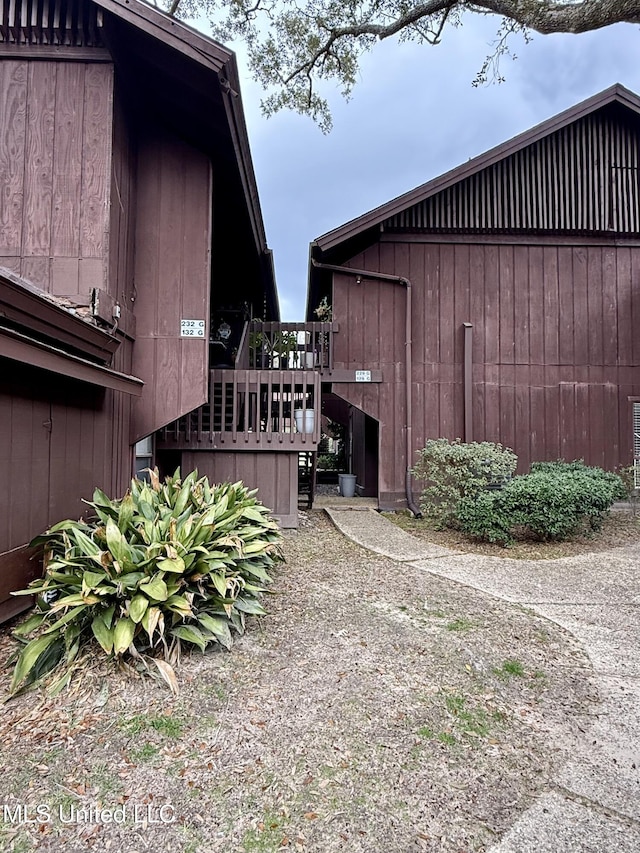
270 409
287 346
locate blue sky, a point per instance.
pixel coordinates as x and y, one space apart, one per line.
413 115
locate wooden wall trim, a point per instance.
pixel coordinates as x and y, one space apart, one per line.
19 347
24 304
48 52
510 239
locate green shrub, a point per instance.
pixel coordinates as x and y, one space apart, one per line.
555 501
179 562
453 470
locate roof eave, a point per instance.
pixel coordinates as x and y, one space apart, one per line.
202 49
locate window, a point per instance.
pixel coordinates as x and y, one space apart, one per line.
144 457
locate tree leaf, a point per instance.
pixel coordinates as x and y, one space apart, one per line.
246 605
34 621
150 621
172 565
29 657
138 606
155 588
179 604
166 671
123 635
102 634
125 513
219 627
191 634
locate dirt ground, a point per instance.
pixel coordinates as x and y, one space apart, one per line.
620 527
374 708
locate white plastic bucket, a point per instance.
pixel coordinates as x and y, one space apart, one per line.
305 420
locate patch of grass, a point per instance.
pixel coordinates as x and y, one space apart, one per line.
510 669
426 732
460 624
267 836
162 723
468 721
144 753
435 614
102 777
447 739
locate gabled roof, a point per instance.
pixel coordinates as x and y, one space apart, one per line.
615 94
198 79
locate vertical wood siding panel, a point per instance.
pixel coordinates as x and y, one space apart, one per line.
536 305
522 439
588 432
13 99
38 177
12 264
492 305
521 304
635 304
172 271
432 303
567 421
171 255
356 296
446 317
551 305
594 302
417 278
462 310
477 278
609 311
537 423
96 160
624 306
447 341
565 293
67 160
580 307
590 412
196 267
507 329
552 416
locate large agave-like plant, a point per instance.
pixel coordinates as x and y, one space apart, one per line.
170 563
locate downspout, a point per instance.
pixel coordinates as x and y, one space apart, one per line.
394 279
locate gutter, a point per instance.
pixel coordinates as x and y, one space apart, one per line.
405 282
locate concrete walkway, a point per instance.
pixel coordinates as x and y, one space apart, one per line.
593 804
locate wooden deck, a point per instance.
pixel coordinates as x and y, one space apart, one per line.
251 410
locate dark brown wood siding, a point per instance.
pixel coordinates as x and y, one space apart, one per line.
59 439
554 351
172 277
274 474
55 152
585 177
123 208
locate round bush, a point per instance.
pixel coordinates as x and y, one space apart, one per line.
555 501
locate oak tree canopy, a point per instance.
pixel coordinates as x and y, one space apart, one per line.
295 44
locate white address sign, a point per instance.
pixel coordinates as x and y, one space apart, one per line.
363 376
192 328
